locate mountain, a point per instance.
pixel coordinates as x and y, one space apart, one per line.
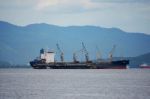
21 44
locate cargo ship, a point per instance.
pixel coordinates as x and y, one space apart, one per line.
47 60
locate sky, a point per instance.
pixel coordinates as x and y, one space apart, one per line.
128 15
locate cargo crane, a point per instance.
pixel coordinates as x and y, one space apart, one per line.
75 56
61 53
111 53
86 53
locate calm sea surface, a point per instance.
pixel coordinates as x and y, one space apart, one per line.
74 84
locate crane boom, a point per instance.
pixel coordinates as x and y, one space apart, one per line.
61 53
86 53
75 56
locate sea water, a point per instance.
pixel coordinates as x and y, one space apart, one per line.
74 84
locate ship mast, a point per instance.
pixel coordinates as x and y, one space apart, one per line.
111 53
61 53
86 53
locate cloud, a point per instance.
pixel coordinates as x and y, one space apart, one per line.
66 5
122 1
131 15
17 3
42 4
77 6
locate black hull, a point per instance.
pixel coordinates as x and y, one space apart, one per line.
122 64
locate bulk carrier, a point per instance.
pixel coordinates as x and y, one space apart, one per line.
47 60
